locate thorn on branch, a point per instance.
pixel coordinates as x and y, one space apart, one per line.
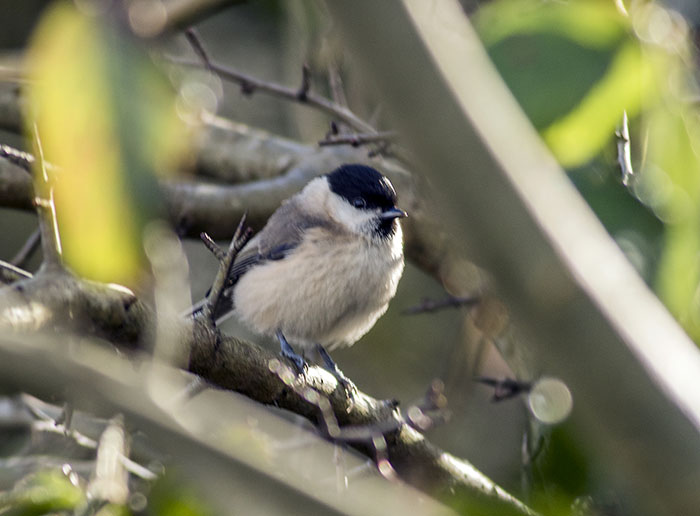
48 223
431 305
303 93
506 388
213 247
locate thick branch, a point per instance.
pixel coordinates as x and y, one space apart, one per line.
53 301
592 320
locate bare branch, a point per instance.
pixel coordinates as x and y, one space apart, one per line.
357 140
250 84
196 43
240 237
71 304
430 305
335 82
506 388
20 158
28 249
16 189
10 273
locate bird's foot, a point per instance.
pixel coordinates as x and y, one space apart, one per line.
288 352
345 382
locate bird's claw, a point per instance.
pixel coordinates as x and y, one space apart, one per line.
345 382
300 365
288 352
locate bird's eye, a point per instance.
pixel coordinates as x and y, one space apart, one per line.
359 202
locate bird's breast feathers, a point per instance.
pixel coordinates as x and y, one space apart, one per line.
343 283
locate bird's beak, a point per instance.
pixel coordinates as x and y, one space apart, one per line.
393 213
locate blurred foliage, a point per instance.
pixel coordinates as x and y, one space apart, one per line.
42 493
108 120
575 67
170 497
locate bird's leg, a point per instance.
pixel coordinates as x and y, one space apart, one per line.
288 352
333 368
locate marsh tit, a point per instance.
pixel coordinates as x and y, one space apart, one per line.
324 267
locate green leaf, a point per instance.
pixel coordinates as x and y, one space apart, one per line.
41 493
671 186
574 67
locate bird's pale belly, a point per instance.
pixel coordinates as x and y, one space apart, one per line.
319 304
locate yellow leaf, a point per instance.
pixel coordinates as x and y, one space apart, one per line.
108 121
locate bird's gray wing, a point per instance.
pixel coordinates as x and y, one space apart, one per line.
283 232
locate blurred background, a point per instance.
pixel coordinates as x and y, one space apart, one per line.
593 77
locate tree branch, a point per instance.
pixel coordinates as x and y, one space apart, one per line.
28 249
250 84
10 273
62 302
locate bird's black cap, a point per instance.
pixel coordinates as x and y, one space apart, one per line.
360 181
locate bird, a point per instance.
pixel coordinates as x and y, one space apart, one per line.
323 268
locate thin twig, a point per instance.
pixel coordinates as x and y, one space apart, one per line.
240 237
27 250
10 273
430 305
506 388
335 81
250 84
20 158
358 139
213 247
624 159
197 46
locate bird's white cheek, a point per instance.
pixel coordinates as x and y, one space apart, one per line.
397 243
